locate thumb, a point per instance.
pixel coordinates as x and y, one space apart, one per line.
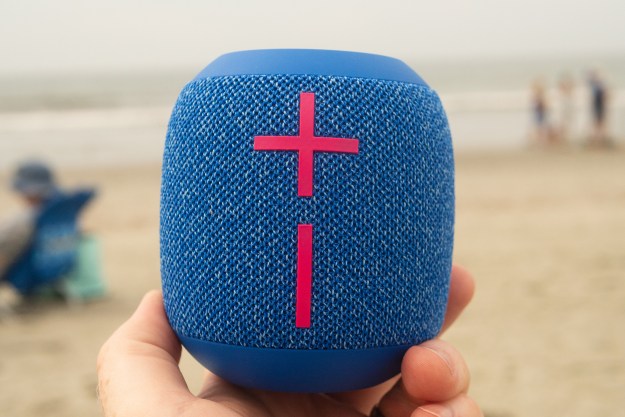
138 372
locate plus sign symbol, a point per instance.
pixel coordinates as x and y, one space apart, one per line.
305 144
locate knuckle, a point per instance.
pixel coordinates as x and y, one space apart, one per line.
472 407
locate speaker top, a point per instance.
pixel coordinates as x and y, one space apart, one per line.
311 62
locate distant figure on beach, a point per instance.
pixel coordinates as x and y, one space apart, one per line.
42 251
543 133
598 106
567 107
35 184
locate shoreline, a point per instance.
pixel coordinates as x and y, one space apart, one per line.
480 122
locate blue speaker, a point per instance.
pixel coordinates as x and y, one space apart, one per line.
307 214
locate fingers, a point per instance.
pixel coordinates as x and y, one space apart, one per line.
433 372
461 289
138 366
462 405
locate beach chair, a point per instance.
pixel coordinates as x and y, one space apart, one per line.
54 249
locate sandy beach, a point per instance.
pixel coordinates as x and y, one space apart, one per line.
542 231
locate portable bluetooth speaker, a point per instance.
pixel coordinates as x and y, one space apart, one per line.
307 215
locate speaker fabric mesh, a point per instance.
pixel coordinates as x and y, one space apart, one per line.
383 219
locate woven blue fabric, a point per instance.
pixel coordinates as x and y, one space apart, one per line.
382 219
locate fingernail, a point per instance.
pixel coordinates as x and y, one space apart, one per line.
443 355
436 410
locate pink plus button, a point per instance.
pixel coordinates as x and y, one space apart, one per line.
306 144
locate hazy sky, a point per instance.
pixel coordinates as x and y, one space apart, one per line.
120 35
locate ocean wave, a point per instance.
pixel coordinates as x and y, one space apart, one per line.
72 120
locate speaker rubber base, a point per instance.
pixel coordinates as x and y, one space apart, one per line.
294 370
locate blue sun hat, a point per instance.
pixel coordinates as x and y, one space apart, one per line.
34 179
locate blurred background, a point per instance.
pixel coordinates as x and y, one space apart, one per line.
540 179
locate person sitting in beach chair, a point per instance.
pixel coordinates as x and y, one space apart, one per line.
42 251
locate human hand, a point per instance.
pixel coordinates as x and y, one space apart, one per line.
139 376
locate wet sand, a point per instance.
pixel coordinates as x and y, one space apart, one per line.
543 233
